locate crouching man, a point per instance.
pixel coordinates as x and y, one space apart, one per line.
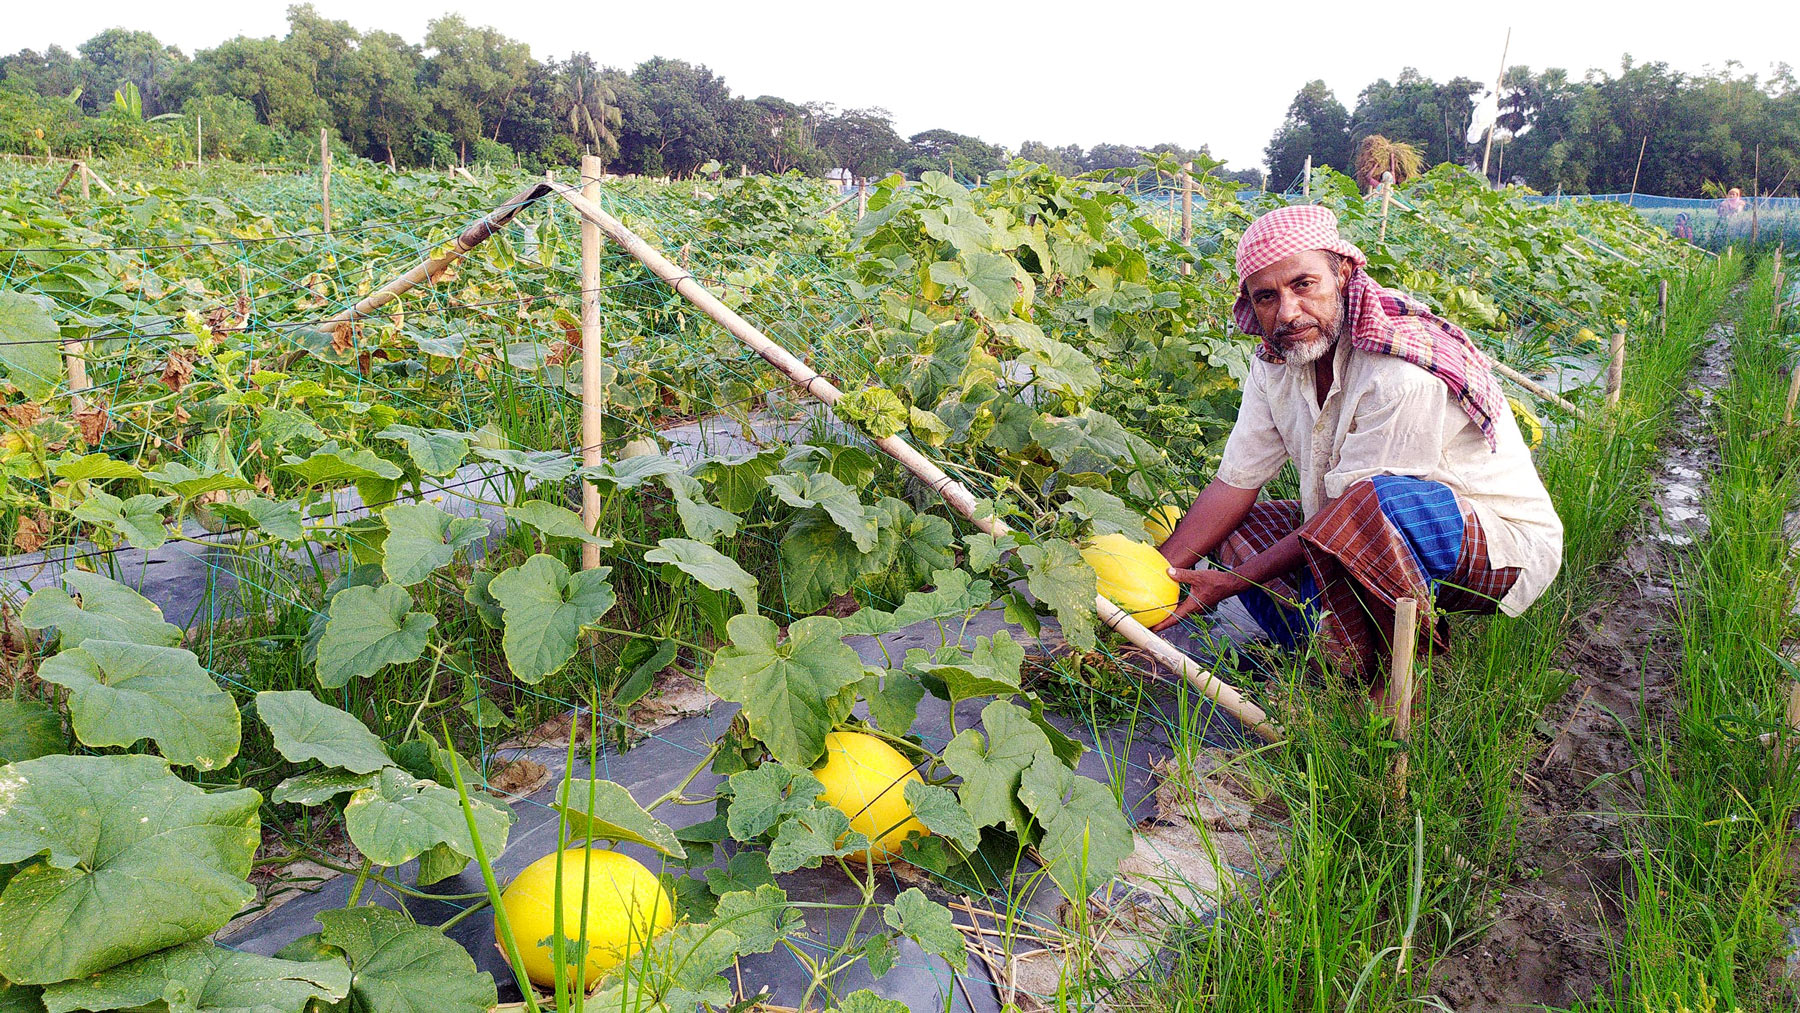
1414 480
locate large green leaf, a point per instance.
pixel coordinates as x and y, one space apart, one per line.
761 918
819 562
422 538
187 482
807 837
739 481
332 463
937 808
990 771
397 966
764 794
1086 834
839 501
792 691
202 977
545 608
927 923
107 610
93 467
613 476
1059 577
707 565
307 728
28 345
400 817
319 786
29 729
436 452
536 465
701 520
613 816
954 596
120 692
277 518
138 520
134 859
368 629
1104 512
554 521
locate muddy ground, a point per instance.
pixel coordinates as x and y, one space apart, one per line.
1558 917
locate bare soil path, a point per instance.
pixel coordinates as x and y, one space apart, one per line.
1554 923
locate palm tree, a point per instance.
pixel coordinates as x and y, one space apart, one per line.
589 106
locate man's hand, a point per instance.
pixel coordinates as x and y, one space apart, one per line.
1205 590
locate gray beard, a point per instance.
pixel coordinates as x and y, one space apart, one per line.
1310 352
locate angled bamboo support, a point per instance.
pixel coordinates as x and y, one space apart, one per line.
954 492
1538 389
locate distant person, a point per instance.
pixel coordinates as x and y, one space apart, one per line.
1414 480
1731 211
1683 229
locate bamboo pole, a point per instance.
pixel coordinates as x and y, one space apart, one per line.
840 202
1400 682
199 146
428 270
862 197
325 175
1793 394
1662 305
1755 193
1306 178
1187 211
99 180
1538 389
87 189
1615 371
954 492
76 364
593 359
1498 79
74 167
1632 200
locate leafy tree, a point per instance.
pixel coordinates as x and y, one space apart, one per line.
1318 125
383 112
860 140
1064 161
671 117
1413 109
273 78
470 75
54 73
118 56
589 106
946 151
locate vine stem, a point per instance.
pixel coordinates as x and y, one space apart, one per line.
475 908
368 874
676 793
362 878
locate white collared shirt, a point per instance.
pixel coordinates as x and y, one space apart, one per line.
1386 416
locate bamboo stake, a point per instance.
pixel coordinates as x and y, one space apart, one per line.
1662 305
1187 211
1400 682
1306 178
87 190
99 181
199 146
862 197
593 359
325 175
1755 193
74 167
840 202
1787 413
1387 201
1538 389
78 381
954 493
1632 200
1615 371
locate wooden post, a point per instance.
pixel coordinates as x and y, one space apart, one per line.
593 361
1387 201
1187 211
1787 413
199 148
74 167
1498 78
325 175
1755 193
87 190
1306 178
78 381
1400 682
862 197
1662 305
1539 389
1615 371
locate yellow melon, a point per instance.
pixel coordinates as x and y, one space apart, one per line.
866 778
1134 575
627 907
1160 523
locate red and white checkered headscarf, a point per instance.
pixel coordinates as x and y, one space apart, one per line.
1382 320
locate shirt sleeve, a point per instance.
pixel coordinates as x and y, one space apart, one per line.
1254 452
1398 429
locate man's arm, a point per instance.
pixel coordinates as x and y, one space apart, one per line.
1216 512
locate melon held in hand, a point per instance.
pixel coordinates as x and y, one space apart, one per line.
1134 575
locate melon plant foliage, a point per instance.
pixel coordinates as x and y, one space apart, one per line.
1035 330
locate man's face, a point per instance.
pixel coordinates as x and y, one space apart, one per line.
1300 304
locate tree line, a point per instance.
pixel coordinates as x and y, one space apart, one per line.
463 95
1699 135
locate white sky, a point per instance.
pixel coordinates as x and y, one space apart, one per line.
1050 71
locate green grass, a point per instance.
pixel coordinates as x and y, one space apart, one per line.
1365 874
